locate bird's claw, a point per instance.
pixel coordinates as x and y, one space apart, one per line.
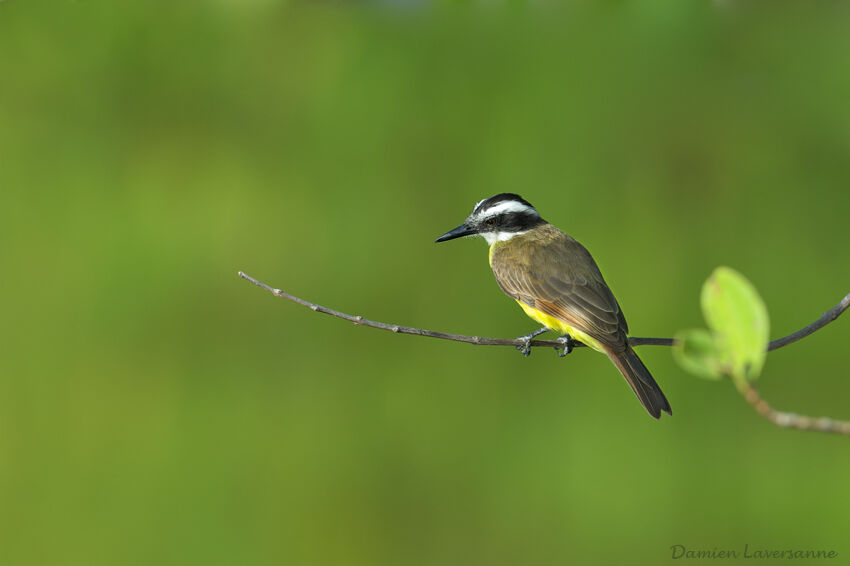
525 347
566 346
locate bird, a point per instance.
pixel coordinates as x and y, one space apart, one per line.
558 284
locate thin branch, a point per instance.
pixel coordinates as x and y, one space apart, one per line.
478 340
793 420
779 418
825 319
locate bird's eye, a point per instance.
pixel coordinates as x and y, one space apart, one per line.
491 221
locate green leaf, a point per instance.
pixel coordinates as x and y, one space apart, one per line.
738 319
696 352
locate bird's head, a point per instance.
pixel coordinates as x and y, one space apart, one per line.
497 219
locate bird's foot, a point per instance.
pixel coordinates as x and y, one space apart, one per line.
525 348
566 346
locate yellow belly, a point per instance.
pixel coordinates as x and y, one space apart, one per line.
560 326
550 321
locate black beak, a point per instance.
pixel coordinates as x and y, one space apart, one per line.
459 232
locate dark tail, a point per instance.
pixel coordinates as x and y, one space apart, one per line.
641 381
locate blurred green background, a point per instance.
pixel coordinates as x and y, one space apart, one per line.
155 409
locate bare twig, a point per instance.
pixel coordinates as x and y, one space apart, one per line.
479 340
790 420
825 319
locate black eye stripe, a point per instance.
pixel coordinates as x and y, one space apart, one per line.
514 221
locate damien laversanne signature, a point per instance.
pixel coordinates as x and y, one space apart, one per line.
681 551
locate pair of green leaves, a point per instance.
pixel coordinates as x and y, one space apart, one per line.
736 344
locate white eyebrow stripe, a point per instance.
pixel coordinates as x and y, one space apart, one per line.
508 206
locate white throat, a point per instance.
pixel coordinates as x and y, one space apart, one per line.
493 237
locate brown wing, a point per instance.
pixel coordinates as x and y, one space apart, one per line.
553 273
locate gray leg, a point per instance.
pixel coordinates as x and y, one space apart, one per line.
567 344
526 347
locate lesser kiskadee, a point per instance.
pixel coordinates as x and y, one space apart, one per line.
556 282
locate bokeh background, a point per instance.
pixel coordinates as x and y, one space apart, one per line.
155 409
